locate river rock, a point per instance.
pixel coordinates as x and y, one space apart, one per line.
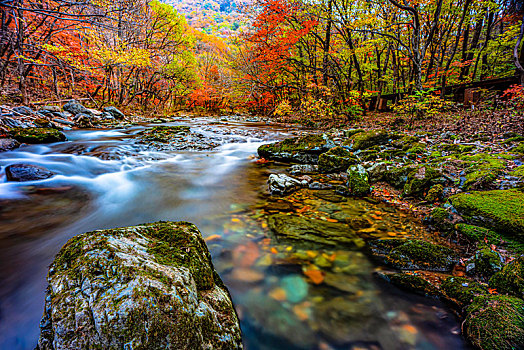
511 279
335 160
8 144
49 109
305 149
358 182
281 184
303 169
364 140
83 120
301 229
24 110
377 172
37 135
26 172
115 112
151 286
74 107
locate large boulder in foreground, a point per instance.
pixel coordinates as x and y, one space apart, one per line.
500 210
305 149
143 287
26 172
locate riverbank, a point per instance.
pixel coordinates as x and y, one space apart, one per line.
466 188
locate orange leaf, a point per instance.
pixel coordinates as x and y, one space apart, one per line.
316 276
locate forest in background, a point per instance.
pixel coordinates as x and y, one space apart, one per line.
313 59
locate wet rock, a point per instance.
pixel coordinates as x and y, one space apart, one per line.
368 139
74 107
301 230
461 291
495 322
50 109
377 172
296 288
435 193
487 262
335 160
151 286
8 145
500 210
329 196
511 279
165 134
415 255
319 186
24 110
411 283
281 184
83 120
421 179
303 169
37 135
115 112
305 149
358 183
26 172
398 176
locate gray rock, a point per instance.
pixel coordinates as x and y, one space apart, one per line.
8 144
115 112
26 172
95 112
303 169
358 182
50 109
151 286
75 108
282 184
24 110
377 172
83 120
305 149
63 121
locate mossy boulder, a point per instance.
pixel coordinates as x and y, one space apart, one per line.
305 149
511 279
37 135
495 322
487 262
398 176
421 179
500 210
303 230
480 179
165 134
421 255
461 291
151 286
435 193
335 160
358 182
405 142
364 140
411 283
519 149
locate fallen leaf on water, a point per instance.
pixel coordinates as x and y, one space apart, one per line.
316 276
213 238
278 294
246 275
274 250
300 312
409 328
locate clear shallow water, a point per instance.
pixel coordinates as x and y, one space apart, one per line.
107 180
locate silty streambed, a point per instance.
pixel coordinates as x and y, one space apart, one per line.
288 296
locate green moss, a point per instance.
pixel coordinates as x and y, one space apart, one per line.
304 143
487 262
421 179
461 291
305 149
417 148
368 139
165 134
37 135
511 279
501 210
456 148
416 254
435 193
351 132
481 234
412 283
519 171
495 322
481 179
398 176
336 159
519 149
358 182
439 215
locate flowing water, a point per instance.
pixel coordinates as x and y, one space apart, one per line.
287 296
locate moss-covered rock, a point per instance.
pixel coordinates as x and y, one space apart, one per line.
303 230
435 193
461 291
405 142
164 134
305 149
37 135
368 139
495 322
480 179
421 179
335 160
151 286
411 283
501 210
487 262
484 235
358 182
398 176
511 279
519 149
421 255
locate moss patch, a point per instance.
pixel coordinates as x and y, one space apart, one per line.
336 159
165 134
37 135
368 139
412 283
421 255
511 279
461 291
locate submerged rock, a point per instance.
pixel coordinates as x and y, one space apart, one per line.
151 286
301 229
305 149
281 184
495 322
26 172
500 210
37 135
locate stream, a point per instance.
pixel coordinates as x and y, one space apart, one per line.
106 179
